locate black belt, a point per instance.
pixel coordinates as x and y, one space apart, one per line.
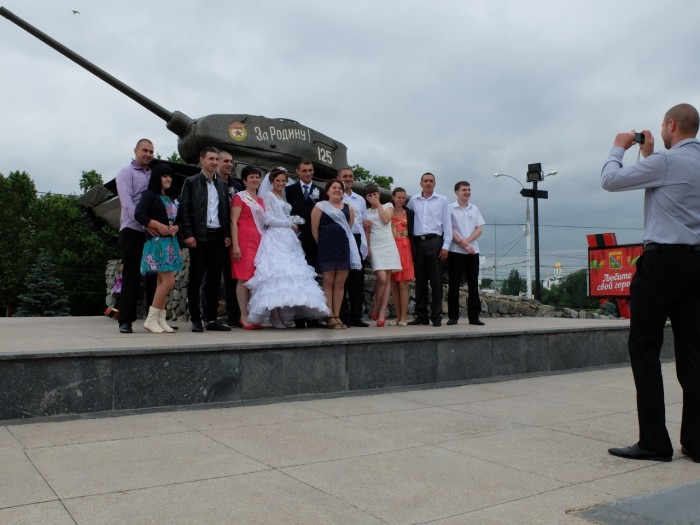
652 247
214 230
427 237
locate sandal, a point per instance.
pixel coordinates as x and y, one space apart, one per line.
336 325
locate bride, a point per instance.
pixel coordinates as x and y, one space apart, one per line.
284 286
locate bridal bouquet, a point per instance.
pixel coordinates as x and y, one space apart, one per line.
296 220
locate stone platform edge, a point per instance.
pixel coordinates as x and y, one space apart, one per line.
78 382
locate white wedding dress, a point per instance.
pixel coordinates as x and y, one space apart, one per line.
282 277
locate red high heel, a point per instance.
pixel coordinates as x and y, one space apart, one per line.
247 326
374 316
380 324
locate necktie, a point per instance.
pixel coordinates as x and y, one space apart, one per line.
306 193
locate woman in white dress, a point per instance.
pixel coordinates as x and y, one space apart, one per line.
383 253
284 286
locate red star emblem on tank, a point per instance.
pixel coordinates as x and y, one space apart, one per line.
237 131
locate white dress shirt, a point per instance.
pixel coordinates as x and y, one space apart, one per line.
464 222
432 216
212 204
359 205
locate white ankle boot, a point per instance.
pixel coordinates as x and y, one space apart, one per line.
161 322
151 322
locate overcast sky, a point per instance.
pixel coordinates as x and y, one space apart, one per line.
460 88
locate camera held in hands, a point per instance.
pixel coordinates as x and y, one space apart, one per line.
639 138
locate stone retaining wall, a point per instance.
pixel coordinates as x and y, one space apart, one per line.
492 305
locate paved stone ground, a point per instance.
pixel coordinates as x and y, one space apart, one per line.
526 451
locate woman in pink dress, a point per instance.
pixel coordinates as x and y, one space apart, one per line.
246 231
402 228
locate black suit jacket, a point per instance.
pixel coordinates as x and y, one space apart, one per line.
302 207
411 216
192 213
151 207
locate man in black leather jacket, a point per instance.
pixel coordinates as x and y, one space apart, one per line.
203 217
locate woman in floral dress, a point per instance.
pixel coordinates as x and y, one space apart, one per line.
161 252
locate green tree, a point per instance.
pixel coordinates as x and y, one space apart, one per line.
90 179
45 296
79 254
175 157
364 175
17 198
572 292
486 282
513 285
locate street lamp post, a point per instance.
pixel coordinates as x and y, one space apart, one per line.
534 193
527 237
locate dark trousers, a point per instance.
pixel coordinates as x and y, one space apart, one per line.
131 245
233 311
460 264
308 244
353 301
206 261
428 268
666 285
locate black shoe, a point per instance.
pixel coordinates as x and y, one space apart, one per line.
359 323
125 328
477 322
300 324
313 323
216 326
417 322
437 322
234 323
197 327
637 452
452 322
695 458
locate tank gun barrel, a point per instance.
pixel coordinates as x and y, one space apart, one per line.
146 102
252 139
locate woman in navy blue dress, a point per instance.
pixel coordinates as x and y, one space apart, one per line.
331 220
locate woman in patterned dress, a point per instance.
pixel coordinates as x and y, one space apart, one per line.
402 227
161 252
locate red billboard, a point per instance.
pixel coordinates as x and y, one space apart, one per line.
611 269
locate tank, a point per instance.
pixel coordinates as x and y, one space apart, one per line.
251 139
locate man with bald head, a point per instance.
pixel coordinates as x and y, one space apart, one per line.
666 284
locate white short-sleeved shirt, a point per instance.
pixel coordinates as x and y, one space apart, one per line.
464 222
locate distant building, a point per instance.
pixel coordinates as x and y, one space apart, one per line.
553 278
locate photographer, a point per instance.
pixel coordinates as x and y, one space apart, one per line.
667 281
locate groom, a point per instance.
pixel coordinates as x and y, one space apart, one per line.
303 196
